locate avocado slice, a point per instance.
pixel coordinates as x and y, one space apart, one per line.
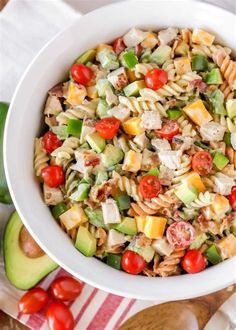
87 56
161 54
134 88
186 193
231 108
127 226
146 252
111 155
23 272
214 77
220 160
96 142
85 242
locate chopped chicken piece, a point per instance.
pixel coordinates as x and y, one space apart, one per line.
212 131
170 158
52 196
151 120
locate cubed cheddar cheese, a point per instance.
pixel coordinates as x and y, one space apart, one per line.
194 180
92 92
220 205
182 65
132 161
75 94
132 126
74 217
202 37
227 246
140 222
198 113
150 41
155 227
101 47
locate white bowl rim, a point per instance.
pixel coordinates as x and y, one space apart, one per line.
138 287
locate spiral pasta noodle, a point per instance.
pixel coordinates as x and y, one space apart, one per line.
127 185
66 150
203 200
169 266
141 69
40 157
183 171
186 127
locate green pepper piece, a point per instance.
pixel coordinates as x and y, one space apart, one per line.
220 160
213 254
87 56
201 145
5 196
216 99
123 202
199 63
174 113
59 209
114 260
214 77
152 171
81 193
130 59
227 139
74 127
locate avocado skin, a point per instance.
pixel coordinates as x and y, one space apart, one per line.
23 272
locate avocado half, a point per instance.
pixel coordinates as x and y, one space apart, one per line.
23 272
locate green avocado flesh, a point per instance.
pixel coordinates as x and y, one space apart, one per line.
23 272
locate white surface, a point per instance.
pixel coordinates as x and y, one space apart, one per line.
47 69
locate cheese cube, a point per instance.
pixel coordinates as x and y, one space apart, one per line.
220 205
198 113
132 126
227 246
150 41
194 180
140 222
155 227
182 65
74 217
132 161
202 37
92 92
75 94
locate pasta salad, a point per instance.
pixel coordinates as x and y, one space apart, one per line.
138 160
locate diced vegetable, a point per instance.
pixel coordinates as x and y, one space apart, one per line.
112 155
95 217
81 193
114 260
96 142
198 241
123 202
75 94
174 113
129 59
146 55
220 160
199 63
146 252
140 221
162 247
182 49
213 254
194 179
231 108
186 193
161 54
101 177
85 242
102 108
227 139
74 127
108 59
127 226
214 77
60 131
58 210
87 56
152 171
217 100
103 85
134 88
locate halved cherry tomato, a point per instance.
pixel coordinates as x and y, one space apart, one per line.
33 301
156 78
118 46
53 175
108 127
169 129
149 186
232 198
193 262
59 317
202 162
66 288
81 74
180 234
50 142
132 262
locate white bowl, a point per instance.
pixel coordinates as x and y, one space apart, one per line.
23 124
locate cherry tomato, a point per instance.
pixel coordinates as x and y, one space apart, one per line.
132 262
180 234
149 186
168 130
33 301
108 127
193 262
59 317
65 288
202 162
53 175
156 78
81 73
232 198
50 142
118 46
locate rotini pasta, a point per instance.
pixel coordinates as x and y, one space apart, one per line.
186 127
169 266
127 185
40 157
203 200
66 150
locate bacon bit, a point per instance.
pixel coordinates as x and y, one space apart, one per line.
56 90
171 103
116 249
139 50
101 235
142 241
99 193
92 162
148 272
156 263
198 83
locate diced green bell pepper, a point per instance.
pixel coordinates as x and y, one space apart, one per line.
87 56
81 193
152 171
59 209
74 127
201 145
220 160
60 131
216 99
130 59
227 139
123 202
114 260
199 63
214 77
213 254
174 113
